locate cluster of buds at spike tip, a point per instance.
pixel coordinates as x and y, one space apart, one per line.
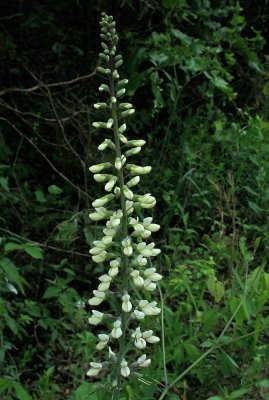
125 249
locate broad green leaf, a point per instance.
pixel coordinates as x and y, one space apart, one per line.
52 291
34 251
21 393
53 189
40 197
5 384
85 392
215 398
237 394
4 183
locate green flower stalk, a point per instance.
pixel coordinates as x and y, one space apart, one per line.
125 248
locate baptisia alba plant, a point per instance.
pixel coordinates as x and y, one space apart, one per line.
125 249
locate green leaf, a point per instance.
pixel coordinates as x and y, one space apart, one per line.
52 291
40 197
53 189
85 392
216 288
4 183
21 393
237 394
215 398
5 384
34 251
263 384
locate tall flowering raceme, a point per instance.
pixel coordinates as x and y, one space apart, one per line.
125 248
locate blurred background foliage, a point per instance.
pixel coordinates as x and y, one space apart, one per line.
198 73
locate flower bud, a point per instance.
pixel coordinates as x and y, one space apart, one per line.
135 143
137 170
106 143
111 183
104 71
125 106
99 167
122 138
120 92
122 128
100 105
127 113
127 193
101 177
132 182
104 88
132 152
122 83
118 63
103 200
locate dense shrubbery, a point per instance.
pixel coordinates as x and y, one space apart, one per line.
199 82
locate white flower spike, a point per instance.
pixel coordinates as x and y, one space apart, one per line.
125 252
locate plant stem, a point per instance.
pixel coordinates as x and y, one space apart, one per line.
124 231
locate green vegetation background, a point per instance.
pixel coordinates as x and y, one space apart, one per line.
198 73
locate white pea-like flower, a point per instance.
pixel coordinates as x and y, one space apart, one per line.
111 354
127 247
138 315
125 370
139 341
116 331
105 282
114 268
100 257
101 213
149 337
151 274
126 304
95 369
104 339
96 318
97 299
138 280
148 250
149 285
146 307
143 361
